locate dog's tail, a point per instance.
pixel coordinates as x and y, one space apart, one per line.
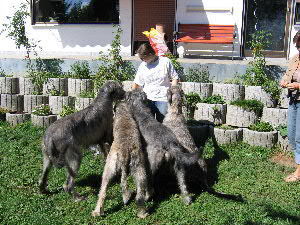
186 158
55 156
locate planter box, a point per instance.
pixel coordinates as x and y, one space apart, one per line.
56 103
43 121
229 92
76 86
228 136
9 85
263 139
127 85
32 101
27 87
82 103
257 93
239 117
283 143
215 113
13 103
203 89
59 85
284 100
275 116
17 118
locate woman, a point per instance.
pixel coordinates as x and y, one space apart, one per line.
291 80
154 75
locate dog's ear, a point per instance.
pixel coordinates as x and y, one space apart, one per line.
169 96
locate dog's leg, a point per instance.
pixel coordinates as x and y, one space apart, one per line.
46 168
110 170
180 174
73 159
126 192
141 185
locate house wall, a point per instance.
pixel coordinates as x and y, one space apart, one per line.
64 40
225 12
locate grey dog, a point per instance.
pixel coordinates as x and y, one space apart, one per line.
64 138
160 143
125 156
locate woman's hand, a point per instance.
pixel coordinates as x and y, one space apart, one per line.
293 86
283 84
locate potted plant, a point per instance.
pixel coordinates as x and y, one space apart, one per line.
67 110
190 102
212 109
226 134
243 113
260 134
42 116
80 79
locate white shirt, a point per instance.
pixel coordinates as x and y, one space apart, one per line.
155 78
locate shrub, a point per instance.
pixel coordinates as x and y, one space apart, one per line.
191 100
67 110
42 110
177 66
261 127
55 92
214 99
80 70
250 105
283 131
87 94
199 74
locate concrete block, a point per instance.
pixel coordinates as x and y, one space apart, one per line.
215 113
56 103
263 139
228 136
284 100
275 116
43 121
82 103
27 87
13 103
58 85
229 92
203 89
257 93
283 143
17 118
32 101
76 86
9 85
239 117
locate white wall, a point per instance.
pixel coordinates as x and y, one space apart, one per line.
221 12
67 40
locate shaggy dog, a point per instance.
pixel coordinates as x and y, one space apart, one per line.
125 156
160 143
64 138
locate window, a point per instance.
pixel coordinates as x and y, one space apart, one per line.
297 13
75 11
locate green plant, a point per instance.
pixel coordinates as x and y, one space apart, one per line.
54 92
42 110
87 94
67 110
283 131
261 127
80 70
177 66
3 111
250 105
199 74
2 72
214 99
113 67
191 100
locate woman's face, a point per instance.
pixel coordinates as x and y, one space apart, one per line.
148 58
298 45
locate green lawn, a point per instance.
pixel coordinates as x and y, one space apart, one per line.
236 169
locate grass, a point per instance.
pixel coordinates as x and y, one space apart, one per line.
234 169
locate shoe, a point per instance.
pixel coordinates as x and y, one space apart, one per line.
292 178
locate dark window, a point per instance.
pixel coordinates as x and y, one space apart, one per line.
76 11
297 14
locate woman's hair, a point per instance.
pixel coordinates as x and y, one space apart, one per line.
145 50
296 37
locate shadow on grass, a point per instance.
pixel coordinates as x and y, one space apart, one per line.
93 181
281 215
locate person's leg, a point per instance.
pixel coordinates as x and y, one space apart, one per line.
162 108
294 138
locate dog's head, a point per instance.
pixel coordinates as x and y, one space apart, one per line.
175 96
113 89
136 96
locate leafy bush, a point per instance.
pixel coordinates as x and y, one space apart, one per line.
113 67
80 70
261 127
191 100
250 105
214 99
199 74
42 110
67 110
54 92
283 131
177 66
87 94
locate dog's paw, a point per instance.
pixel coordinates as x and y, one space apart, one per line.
97 213
78 198
142 214
187 200
127 196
